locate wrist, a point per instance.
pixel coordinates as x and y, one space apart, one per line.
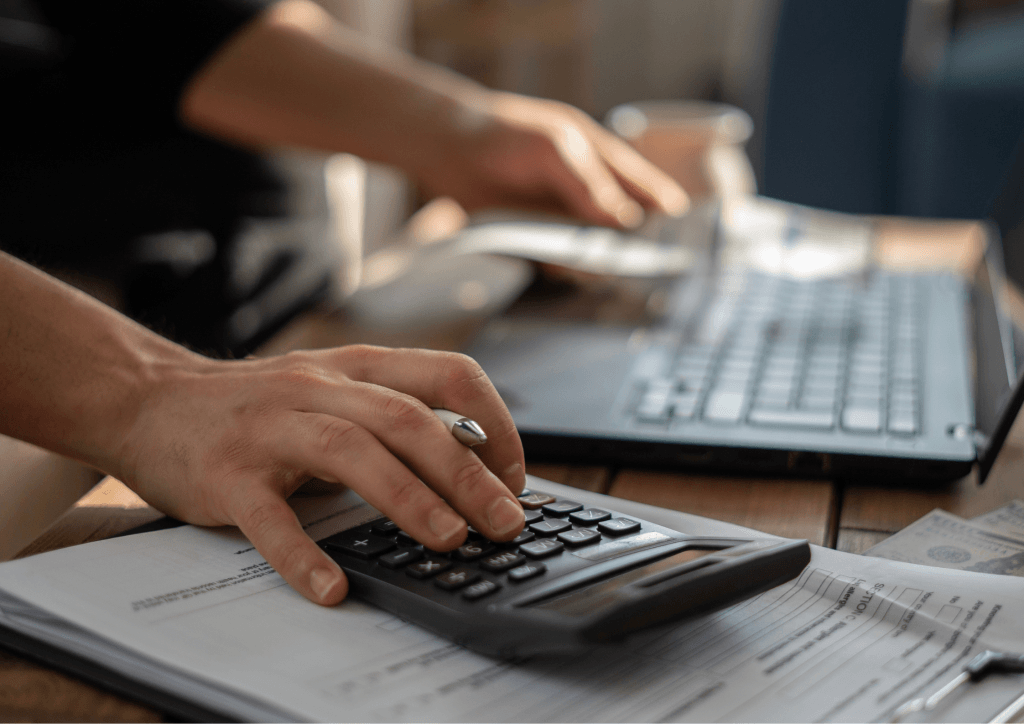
156 372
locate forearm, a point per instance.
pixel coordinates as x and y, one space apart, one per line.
73 372
294 77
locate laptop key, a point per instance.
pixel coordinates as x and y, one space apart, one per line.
862 419
724 406
902 423
807 419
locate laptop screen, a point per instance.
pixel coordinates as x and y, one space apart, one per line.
998 304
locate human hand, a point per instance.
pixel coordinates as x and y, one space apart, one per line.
512 150
225 443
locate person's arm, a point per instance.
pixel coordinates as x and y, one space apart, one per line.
225 442
295 77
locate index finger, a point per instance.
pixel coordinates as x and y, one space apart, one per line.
454 382
644 181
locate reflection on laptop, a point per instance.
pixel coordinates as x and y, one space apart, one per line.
906 376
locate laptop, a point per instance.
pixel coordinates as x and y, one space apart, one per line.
893 375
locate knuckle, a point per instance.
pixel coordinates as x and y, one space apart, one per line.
403 413
257 519
300 372
459 370
406 493
469 476
338 437
361 357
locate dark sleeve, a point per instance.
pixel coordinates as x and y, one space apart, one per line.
143 52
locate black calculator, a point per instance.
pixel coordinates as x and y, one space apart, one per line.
575 577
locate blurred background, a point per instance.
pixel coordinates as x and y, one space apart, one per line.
880 106
908 107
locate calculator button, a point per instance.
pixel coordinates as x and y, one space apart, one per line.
458 578
618 526
365 546
479 590
550 527
526 491
525 537
501 561
385 527
528 571
472 551
590 516
542 548
532 516
579 537
428 568
404 539
401 557
535 500
561 508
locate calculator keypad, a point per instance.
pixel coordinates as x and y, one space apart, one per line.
542 548
428 568
479 567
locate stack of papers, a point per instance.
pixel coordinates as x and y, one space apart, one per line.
197 613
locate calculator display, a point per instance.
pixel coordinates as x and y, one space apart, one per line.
584 601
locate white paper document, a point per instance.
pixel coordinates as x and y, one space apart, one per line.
199 612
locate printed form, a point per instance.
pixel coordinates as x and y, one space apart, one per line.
198 612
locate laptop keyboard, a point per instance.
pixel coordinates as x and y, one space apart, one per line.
787 353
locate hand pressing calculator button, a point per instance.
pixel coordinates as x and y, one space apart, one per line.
592 576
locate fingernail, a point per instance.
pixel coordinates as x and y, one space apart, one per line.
505 516
445 524
675 202
323 581
630 215
514 477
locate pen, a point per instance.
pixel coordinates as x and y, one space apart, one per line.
466 431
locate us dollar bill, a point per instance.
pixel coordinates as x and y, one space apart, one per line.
1008 520
945 540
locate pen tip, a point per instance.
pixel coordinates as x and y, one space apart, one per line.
468 432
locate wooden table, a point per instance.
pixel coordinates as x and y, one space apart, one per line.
851 517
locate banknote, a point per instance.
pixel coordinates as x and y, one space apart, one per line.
1008 520
945 540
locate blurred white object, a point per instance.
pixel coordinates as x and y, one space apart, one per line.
588 249
698 143
797 241
417 285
